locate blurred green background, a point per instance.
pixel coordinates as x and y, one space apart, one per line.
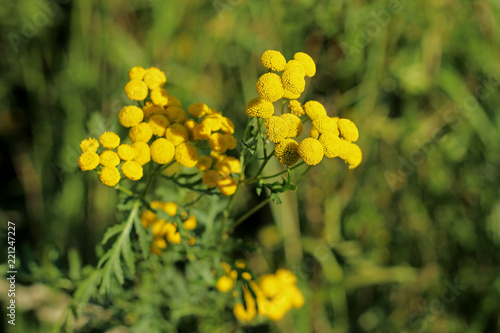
407 242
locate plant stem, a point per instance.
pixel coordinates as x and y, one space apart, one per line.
248 214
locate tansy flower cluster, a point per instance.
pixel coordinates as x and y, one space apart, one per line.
166 230
162 131
329 136
275 294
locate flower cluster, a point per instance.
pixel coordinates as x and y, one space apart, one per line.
272 296
161 131
329 136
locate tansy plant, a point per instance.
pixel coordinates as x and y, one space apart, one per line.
194 149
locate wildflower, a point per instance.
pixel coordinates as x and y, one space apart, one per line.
204 163
245 313
229 140
259 107
293 77
130 115
109 140
217 142
136 73
307 62
177 134
314 109
190 124
136 90
191 241
247 276
273 60
170 208
89 145
154 78
142 152
159 96
173 101
132 170
150 109
295 108
109 158
211 178
201 132
227 165
213 122
158 124
190 223
276 129
110 176
198 110
287 152
175 114
141 132
354 155
227 125
348 130
294 124
334 146
227 185
290 95
162 151
314 133
269 87
311 151
174 237
325 124
224 284
89 160
186 154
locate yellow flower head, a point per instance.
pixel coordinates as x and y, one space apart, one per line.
296 108
130 115
294 124
211 178
159 96
191 241
174 238
225 284
269 87
190 124
325 124
175 114
227 165
290 95
158 124
213 122
307 62
198 110
348 130
293 77
217 142
286 277
126 152
162 151
227 185
273 60
142 152
270 285
314 133
132 170
136 73
109 140
259 107
201 132
186 154
334 146
311 151
230 141
148 218
204 163
154 78
276 129
177 134
190 223
136 90
314 109
287 152
89 145
227 126
250 312
110 176
170 208
89 160
354 155
109 158
173 101
141 132
150 109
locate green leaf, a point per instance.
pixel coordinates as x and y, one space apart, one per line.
144 239
275 198
111 231
128 256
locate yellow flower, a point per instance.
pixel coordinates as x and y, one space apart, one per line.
141 132
89 145
142 152
227 185
250 312
311 151
174 238
227 165
186 154
89 160
150 109
247 276
213 122
217 142
170 208
136 90
354 155
173 101
148 218
136 73
154 78
162 151
293 77
130 115
190 124
159 96
273 60
201 132
276 129
191 241
334 146
290 95
160 243
224 284
287 152
227 126
230 141
259 107
198 110
175 114
158 124
307 62
109 140
204 163
269 87
132 170
314 109
294 124
109 158
325 124
270 285
211 178
348 130
314 133
190 223
177 134
286 277
296 108
110 176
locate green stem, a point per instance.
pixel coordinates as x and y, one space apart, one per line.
248 214
282 172
124 190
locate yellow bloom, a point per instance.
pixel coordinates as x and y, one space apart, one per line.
311 151
269 87
89 160
89 145
136 73
190 223
132 170
213 122
286 277
296 108
160 243
294 124
217 142
109 158
173 101
314 109
230 141
170 208
314 133
190 124
325 124
109 140
290 95
227 165
293 77
174 238
198 110
150 109
142 152
110 176
177 134
201 132
162 151
159 96
211 178
273 60
287 152
354 155
270 285
158 124
191 241
227 126
224 284
250 312
307 62
259 107
154 78
204 163
175 114
227 185
136 90
186 154
276 129
130 115
141 132
348 130
247 276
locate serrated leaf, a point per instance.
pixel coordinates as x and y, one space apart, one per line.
104 257
111 231
128 256
118 271
143 235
